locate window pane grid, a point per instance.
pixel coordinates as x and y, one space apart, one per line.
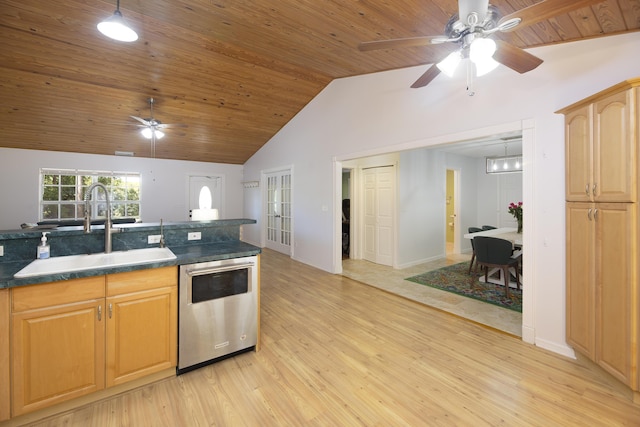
62 194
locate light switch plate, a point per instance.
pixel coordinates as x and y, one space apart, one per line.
155 238
195 235
1 250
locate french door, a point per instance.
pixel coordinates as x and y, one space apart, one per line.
279 220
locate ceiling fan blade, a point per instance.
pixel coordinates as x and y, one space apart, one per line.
406 42
143 121
170 125
544 10
515 58
426 78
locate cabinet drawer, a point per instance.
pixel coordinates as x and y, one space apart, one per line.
57 293
141 280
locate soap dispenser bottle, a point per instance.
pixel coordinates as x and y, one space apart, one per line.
43 250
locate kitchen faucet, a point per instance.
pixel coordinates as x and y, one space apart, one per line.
107 223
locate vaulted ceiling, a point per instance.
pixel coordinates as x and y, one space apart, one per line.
234 72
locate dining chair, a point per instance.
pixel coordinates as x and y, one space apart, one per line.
492 252
473 251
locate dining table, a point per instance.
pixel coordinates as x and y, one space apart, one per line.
507 233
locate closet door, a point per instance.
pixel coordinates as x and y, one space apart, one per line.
379 211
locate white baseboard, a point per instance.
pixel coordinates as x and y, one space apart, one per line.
561 349
418 262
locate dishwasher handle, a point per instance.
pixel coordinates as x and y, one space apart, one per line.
203 271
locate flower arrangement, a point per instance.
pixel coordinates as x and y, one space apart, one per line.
515 209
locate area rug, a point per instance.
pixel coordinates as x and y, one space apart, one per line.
456 279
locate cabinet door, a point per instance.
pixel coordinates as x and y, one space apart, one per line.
58 354
5 392
578 149
616 287
141 334
581 278
614 166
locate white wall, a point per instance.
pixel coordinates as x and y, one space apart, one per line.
164 183
495 192
422 203
378 113
421 209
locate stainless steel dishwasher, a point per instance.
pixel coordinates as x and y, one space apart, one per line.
217 316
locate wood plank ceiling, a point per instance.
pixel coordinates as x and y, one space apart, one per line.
233 71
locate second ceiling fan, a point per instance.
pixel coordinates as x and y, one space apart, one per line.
468 35
152 128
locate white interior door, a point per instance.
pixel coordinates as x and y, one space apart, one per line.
196 182
279 208
378 214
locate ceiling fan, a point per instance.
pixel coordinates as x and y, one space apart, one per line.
151 127
468 35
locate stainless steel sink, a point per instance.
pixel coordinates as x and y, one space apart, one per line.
70 263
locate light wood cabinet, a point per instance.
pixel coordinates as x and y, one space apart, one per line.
79 336
600 150
5 367
600 295
603 299
581 294
57 342
142 324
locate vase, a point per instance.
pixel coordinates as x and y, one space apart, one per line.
519 226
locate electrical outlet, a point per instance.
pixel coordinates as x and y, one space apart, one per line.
1 250
154 239
196 235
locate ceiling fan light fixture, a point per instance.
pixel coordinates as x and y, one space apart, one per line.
449 64
116 28
485 66
481 49
149 133
481 54
146 132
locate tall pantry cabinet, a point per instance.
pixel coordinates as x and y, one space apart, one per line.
601 148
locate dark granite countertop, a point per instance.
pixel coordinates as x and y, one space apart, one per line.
185 254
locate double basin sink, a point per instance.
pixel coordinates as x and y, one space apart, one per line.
71 263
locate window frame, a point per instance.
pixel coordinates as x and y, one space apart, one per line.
68 203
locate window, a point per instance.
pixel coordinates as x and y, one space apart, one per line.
62 194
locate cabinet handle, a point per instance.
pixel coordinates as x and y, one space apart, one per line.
586 189
594 189
589 214
99 313
595 214
110 310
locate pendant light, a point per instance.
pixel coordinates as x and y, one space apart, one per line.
504 164
116 27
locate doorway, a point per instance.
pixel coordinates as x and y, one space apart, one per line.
452 232
346 213
214 184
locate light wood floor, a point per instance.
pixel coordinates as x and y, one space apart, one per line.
394 281
336 352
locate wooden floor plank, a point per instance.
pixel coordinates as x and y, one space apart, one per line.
336 352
